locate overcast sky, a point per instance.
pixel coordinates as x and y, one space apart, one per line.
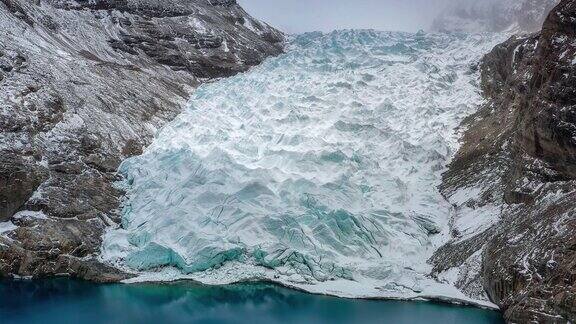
297 16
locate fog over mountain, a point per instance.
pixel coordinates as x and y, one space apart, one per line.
299 16
325 15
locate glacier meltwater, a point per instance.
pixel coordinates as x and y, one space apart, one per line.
318 169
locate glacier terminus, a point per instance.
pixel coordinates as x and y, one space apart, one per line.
317 169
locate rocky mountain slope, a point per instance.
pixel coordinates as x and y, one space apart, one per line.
494 15
85 84
514 179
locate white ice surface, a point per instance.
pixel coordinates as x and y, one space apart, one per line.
317 169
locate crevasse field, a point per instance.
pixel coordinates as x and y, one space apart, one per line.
317 169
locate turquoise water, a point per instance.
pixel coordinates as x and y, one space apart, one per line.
71 301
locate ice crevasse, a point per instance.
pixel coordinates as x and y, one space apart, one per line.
318 169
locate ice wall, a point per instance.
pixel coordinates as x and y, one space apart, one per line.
318 166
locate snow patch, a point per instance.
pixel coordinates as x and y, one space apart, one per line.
198 25
30 214
248 24
7 227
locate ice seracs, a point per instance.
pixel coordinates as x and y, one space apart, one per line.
317 169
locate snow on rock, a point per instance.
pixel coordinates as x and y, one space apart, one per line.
7 227
317 169
518 153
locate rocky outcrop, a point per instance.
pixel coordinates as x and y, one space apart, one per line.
85 84
494 16
513 182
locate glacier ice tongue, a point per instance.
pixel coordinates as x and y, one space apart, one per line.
318 166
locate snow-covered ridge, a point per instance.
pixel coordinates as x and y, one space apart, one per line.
317 169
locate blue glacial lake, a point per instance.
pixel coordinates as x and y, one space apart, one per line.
71 301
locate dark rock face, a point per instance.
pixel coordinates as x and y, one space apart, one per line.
85 84
519 152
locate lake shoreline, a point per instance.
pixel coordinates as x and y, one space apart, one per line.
73 300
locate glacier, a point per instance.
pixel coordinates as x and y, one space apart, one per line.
317 169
